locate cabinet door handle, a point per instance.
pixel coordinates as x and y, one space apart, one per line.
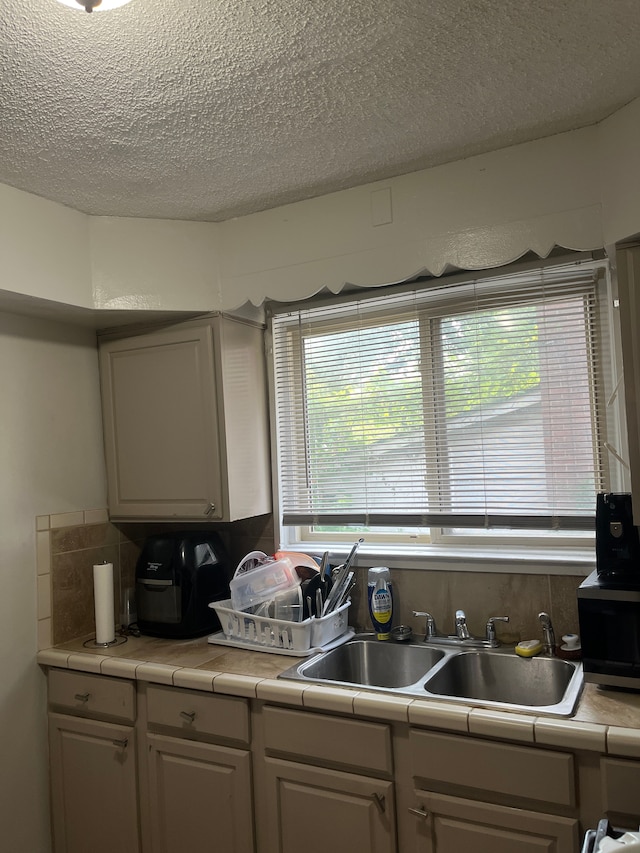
420 813
122 744
189 716
380 801
82 697
211 508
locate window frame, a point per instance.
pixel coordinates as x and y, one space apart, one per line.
438 542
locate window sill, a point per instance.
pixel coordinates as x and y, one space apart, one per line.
485 558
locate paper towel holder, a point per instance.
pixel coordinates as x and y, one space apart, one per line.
103 607
94 644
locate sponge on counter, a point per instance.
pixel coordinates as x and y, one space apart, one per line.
528 648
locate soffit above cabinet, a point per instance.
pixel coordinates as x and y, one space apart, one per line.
90 318
106 321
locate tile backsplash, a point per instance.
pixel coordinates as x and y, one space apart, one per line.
481 595
69 544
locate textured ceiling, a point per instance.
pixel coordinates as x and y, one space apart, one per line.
209 109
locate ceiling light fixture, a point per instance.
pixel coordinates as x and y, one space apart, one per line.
94 5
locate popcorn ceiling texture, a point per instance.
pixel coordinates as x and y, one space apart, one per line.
210 109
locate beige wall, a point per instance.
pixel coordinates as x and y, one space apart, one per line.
482 212
50 458
619 158
44 248
142 264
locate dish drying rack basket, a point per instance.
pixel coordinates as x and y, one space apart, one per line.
277 635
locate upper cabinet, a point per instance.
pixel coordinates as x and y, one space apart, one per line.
185 422
628 275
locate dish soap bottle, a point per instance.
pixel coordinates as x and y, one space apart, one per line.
380 597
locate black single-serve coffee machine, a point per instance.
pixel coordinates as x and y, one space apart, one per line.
609 599
617 542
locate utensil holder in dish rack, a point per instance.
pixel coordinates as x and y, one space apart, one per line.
277 634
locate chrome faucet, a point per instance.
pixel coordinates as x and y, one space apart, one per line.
462 632
549 636
462 635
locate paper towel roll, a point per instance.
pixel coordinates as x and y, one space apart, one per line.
103 603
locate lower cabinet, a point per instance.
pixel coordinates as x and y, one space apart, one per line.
319 810
327 783
620 779
93 786
200 797
486 796
447 824
147 768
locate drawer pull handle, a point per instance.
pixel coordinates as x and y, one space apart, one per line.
189 716
420 813
82 697
121 744
380 801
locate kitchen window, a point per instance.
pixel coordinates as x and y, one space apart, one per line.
449 412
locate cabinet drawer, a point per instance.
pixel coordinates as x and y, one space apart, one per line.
319 738
92 695
621 786
494 767
191 712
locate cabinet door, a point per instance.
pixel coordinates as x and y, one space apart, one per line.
200 797
161 425
620 785
93 786
449 825
327 811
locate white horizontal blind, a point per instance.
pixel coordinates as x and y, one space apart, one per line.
457 405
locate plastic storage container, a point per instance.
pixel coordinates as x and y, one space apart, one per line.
264 582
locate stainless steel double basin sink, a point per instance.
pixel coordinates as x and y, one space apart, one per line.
490 678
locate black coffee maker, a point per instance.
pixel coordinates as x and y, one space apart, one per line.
617 542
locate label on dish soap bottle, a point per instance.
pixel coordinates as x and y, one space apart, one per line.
380 597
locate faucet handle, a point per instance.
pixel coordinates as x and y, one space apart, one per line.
491 628
431 630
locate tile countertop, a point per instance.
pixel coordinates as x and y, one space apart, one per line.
605 720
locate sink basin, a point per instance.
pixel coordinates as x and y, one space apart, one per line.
372 664
535 684
490 678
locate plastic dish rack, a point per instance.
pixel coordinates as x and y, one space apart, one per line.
262 633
